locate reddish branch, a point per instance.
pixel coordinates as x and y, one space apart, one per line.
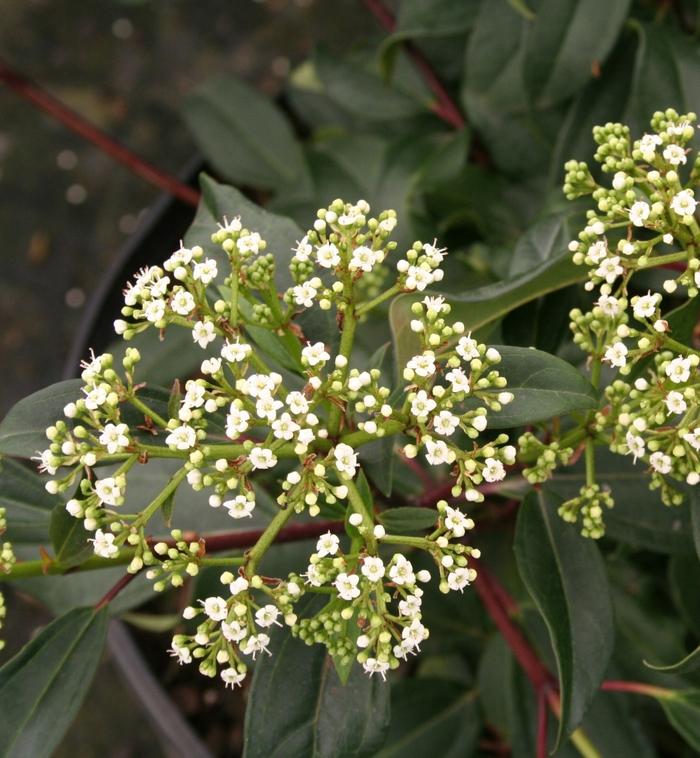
542 713
113 591
444 106
34 94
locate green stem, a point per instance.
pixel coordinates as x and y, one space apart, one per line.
346 341
358 505
234 297
590 417
679 347
660 260
137 403
229 560
162 496
266 539
367 307
400 539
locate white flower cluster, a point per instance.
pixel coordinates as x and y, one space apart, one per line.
645 220
7 560
240 421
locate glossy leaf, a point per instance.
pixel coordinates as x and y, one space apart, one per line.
26 501
69 538
691 662
432 717
566 578
567 39
23 430
298 706
43 686
244 135
484 305
683 711
407 519
543 386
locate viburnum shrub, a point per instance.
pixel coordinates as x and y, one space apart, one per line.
398 500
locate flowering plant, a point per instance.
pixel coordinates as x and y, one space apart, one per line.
396 510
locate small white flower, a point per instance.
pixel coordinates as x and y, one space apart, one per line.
109 491
327 255
182 438
423 365
154 310
206 271
413 635
256 644
313 575
675 155
211 366
203 332
232 678
235 352
493 470
315 354
114 437
364 258
215 608
458 579
267 616
660 463
422 405
262 458
180 652
639 212
182 302
304 294
675 402
401 573
610 306
373 666
345 459
692 438
445 423
418 278
95 397
297 403
346 584
437 452
647 146
266 407
327 544
616 355
236 421
373 568
645 306
103 544
303 249
434 303
597 251
238 585
249 244
410 606
467 348
610 269
635 445
678 370
284 428
194 394
457 522
239 507
458 379
683 203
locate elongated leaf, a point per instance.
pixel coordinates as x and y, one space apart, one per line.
543 386
694 501
244 135
69 537
298 706
481 306
683 711
42 687
567 39
684 580
431 717
26 501
407 519
690 663
566 578
23 430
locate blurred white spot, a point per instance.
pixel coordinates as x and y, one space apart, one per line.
66 160
75 297
76 194
122 28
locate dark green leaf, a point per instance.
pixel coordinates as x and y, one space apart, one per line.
378 460
298 707
244 135
565 575
26 501
683 711
684 580
543 386
690 663
694 502
69 538
23 430
479 307
406 519
42 687
175 399
431 717
567 39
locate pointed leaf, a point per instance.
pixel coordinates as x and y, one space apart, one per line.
298 706
43 686
565 575
69 538
683 711
23 430
407 519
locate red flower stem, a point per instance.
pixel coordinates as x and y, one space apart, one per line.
42 100
638 688
114 591
497 602
542 713
444 106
